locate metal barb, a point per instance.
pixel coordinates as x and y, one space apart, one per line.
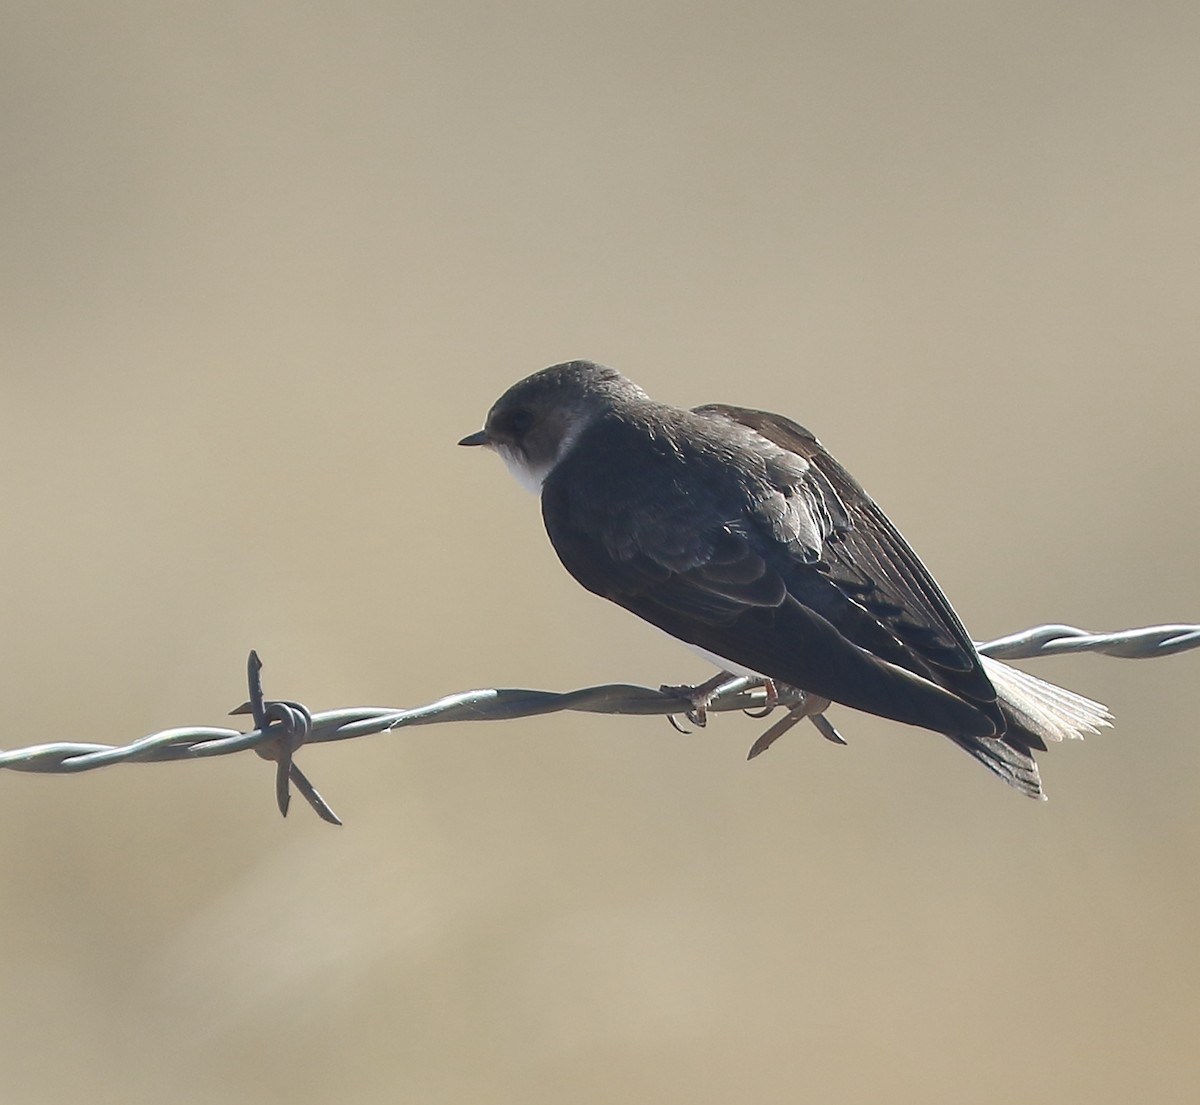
289 724
810 706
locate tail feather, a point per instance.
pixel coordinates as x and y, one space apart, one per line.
1008 757
1035 712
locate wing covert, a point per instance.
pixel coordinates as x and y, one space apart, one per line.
870 564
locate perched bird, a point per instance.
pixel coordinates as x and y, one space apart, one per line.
736 532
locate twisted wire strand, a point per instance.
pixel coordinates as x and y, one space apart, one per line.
281 727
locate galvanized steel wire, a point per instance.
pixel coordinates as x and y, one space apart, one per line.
282 727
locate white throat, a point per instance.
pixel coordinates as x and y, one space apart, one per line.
529 477
532 476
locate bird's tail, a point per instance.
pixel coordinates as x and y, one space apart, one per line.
1036 712
1037 708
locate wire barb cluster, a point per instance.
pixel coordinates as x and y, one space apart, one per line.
281 727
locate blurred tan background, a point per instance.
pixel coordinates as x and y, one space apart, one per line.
264 264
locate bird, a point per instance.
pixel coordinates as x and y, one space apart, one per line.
735 531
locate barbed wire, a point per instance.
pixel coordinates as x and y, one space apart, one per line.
281 726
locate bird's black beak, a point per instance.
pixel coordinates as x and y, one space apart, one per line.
480 438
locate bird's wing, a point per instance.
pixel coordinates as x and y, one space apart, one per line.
789 570
870 563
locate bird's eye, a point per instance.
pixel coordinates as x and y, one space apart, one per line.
520 420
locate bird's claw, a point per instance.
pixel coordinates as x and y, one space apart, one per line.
674 720
698 699
772 700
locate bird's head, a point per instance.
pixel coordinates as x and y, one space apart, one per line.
535 423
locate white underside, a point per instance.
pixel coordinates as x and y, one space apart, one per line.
1051 711
717 661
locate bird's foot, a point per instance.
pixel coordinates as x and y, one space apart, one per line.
698 699
772 700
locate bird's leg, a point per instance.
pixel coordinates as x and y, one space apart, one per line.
810 706
698 698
